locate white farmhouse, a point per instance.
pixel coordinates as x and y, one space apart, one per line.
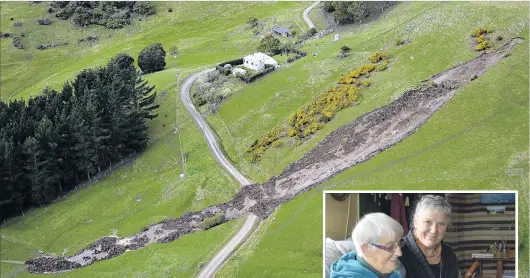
258 60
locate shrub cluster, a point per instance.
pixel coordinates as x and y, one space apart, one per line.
399 41
306 35
480 37
223 70
44 21
88 39
378 56
207 89
250 79
345 12
270 45
226 71
299 54
310 118
111 14
354 76
258 147
152 58
17 43
46 46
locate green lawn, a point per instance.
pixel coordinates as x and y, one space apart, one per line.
109 206
469 144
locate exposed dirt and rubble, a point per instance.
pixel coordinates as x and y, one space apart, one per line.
347 146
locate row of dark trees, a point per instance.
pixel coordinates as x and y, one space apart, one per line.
58 139
349 12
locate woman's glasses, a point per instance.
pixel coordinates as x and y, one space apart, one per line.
392 248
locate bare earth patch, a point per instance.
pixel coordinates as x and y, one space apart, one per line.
346 147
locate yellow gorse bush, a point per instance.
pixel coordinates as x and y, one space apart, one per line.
480 37
310 118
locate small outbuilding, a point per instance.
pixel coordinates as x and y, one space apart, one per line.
282 31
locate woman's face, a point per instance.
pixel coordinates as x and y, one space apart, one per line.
384 261
430 227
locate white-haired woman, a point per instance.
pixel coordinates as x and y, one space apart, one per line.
424 254
376 238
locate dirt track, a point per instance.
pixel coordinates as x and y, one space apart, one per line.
347 146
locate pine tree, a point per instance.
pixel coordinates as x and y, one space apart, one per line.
98 134
34 169
48 139
64 154
132 101
82 146
135 133
118 121
7 192
145 99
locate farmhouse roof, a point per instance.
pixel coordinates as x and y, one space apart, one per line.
281 30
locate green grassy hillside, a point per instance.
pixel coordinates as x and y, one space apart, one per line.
205 33
468 145
109 206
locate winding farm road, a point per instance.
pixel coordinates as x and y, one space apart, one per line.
209 135
308 20
252 220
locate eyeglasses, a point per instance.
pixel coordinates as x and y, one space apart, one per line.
392 248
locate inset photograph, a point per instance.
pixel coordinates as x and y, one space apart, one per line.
420 234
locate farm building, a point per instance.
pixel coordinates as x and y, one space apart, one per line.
282 31
258 60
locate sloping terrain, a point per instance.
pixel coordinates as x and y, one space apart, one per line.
467 144
471 143
109 206
349 145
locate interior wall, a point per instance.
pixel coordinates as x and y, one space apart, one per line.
473 230
339 225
